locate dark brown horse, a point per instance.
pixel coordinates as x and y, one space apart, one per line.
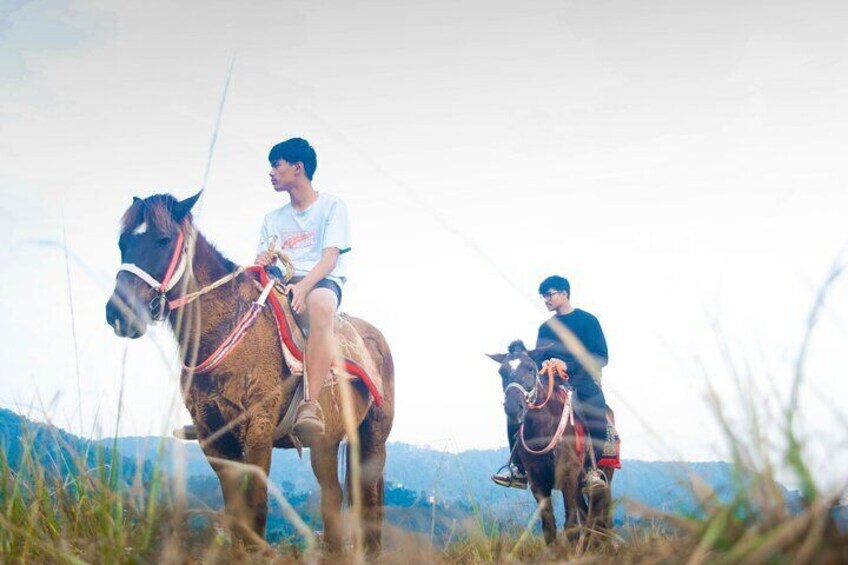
237 405
547 445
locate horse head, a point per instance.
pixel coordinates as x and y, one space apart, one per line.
520 378
154 238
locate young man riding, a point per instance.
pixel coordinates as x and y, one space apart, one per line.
312 229
590 403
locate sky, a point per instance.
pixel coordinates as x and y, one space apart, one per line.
681 162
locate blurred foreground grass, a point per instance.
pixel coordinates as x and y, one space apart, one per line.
78 506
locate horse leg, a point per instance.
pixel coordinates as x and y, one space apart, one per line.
257 451
575 504
542 494
325 460
225 457
600 505
373 433
569 470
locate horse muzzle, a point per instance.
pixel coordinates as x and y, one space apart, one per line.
126 316
515 406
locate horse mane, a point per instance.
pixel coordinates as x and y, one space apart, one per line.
517 346
156 210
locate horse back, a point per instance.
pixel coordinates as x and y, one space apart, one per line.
378 347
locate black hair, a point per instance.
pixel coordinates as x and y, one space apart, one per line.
557 283
295 150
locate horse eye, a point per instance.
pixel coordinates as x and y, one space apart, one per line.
163 241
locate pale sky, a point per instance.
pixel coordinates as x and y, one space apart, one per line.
681 162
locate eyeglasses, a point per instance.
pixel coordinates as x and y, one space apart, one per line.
550 294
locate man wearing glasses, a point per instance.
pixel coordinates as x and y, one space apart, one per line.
555 335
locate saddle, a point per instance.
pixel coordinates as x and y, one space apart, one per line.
357 365
611 455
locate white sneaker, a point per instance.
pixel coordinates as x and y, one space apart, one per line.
594 481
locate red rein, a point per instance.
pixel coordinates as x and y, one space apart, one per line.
175 259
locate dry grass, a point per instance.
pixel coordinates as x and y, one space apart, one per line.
97 517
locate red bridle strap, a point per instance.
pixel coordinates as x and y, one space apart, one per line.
175 259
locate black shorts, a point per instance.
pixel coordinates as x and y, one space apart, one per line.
325 283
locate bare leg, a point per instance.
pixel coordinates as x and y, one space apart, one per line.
320 346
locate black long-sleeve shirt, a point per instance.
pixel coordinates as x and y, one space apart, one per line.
586 328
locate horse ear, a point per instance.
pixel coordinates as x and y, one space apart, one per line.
182 208
136 199
496 357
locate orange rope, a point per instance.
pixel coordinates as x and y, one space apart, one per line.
552 368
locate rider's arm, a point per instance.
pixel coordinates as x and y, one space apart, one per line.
335 241
263 256
325 266
596 343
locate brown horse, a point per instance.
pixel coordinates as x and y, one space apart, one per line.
237 405
547 444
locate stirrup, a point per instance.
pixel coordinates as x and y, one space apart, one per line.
598 483
509 478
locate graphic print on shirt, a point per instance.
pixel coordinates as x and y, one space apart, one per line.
298 240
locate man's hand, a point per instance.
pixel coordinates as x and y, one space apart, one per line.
268 257
554 368
265 259
298 295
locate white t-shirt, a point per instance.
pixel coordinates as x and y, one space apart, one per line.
304 235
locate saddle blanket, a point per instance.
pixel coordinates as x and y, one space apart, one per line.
358 364
611 455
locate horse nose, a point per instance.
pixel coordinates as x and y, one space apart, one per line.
113 317
122 319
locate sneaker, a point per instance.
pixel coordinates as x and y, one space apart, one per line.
594 481
309 424
510 476
188 432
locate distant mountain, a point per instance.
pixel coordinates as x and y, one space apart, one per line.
55 450
461 478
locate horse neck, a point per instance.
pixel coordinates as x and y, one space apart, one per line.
208 265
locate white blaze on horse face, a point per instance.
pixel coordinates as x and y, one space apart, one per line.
514 364
142 227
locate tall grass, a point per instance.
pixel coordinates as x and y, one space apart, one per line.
77 505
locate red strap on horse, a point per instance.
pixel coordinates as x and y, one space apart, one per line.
175 259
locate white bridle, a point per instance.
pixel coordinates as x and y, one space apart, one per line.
176 270
529 395
153 283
